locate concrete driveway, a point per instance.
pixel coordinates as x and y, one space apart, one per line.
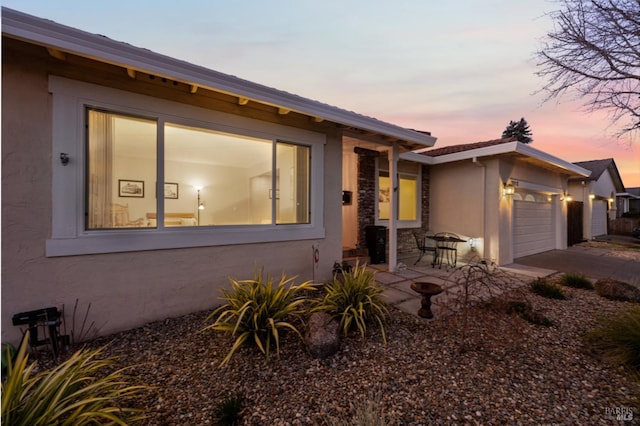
594 260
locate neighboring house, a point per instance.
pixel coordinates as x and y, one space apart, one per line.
93 130
594 198
507 199
628 202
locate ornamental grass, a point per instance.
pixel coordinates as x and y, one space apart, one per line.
75 392
257 310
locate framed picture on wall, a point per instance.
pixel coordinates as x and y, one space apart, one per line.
171 190
131 188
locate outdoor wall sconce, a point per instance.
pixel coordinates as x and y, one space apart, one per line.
592 196
566 197
64 158
508 189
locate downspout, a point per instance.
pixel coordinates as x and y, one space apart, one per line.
393 210
484 204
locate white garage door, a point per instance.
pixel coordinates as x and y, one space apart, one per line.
599 218
532 228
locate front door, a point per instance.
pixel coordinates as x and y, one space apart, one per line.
574 222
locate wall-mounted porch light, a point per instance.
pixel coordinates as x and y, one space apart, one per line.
566 197
508 189
592 196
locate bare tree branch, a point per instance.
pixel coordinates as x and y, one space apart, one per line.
594 52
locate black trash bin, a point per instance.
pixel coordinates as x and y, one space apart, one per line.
377 243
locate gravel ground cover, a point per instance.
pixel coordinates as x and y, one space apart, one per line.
512 373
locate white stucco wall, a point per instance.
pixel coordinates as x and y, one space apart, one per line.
131 288
466 198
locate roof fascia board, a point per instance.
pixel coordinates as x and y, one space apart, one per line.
50 34
417 158
505 148
550 159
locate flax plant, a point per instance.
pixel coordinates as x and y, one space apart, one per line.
75 392
256 310
618 338
355 300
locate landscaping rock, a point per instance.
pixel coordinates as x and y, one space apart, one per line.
323 335
617 290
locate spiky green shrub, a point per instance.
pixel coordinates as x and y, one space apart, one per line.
618 338
543 288
576 281
75 392
354 300
256 309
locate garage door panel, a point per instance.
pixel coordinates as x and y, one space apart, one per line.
599 219
532 228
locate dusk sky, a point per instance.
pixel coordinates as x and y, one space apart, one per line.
459 69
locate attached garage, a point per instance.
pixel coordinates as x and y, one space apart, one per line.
599 218
503 197
533 230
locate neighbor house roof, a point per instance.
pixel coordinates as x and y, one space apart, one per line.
61 39
503 147
598 167
630 193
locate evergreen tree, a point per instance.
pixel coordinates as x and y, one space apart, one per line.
520 130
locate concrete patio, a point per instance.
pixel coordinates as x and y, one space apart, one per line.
398 290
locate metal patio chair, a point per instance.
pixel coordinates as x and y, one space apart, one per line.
426 245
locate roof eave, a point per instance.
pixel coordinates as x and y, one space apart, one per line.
53 35
500 149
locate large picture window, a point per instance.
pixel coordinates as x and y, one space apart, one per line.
147 174
217 178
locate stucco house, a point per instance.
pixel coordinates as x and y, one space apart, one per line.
629 201
593 199
139 183
505 198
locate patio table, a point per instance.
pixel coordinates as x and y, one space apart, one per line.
447 246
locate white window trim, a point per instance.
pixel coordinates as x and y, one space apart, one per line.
402 224
68 234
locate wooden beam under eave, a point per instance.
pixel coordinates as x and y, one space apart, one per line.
318 119
57 54
194 88
243 101
131 73
283 111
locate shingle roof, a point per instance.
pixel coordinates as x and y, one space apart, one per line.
597 168
465 147
634 191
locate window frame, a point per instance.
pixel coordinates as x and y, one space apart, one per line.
400 223
70 100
